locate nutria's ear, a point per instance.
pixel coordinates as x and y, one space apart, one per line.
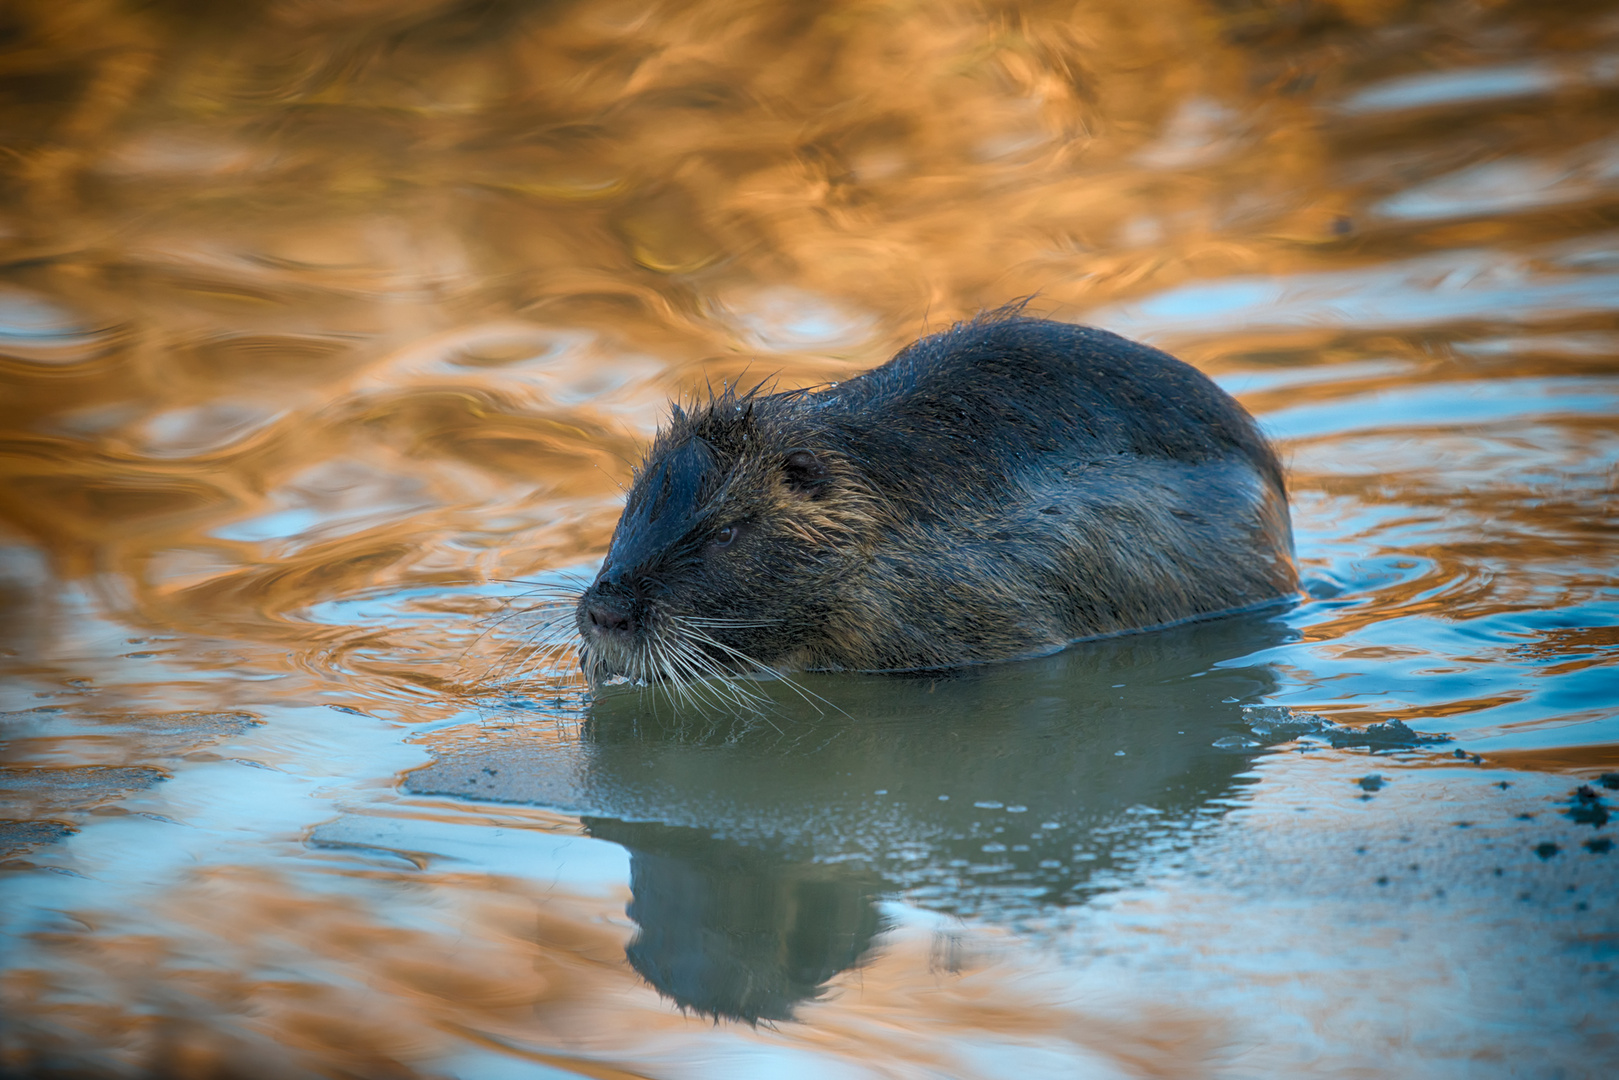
805 472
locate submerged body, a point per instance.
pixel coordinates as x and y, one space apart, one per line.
993 492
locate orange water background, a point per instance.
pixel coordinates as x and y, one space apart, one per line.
307 301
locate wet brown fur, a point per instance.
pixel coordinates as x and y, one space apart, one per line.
997 491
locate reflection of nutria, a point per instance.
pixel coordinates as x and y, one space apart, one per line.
996 491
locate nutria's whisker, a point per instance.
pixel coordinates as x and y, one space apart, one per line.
705 675
673 683
737 654
552 634
548 626
682 681
565 576
537 657
543 653
711 691
669 668
735 700
561 593
643 668
560 620
547 595
556 611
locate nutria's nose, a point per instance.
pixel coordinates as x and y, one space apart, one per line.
609 620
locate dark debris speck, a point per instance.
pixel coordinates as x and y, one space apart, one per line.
1389 735
1587 807
1547 850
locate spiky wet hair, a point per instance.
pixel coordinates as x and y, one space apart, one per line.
729 445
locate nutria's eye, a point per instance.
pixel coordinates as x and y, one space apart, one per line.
726 536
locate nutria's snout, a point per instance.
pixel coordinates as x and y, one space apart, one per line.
996 491
611 617
611 606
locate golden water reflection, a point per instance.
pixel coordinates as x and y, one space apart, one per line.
323 322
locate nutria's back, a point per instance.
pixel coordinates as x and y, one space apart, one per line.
1017 388
995 491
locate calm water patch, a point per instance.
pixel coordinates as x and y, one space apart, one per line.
329 338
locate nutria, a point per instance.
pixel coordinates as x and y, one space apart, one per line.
996 491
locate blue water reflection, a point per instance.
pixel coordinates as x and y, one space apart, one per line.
330 334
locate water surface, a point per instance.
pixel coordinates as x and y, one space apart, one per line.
329 333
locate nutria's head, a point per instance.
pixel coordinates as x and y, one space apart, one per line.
737 529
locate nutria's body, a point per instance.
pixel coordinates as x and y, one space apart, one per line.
996 491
